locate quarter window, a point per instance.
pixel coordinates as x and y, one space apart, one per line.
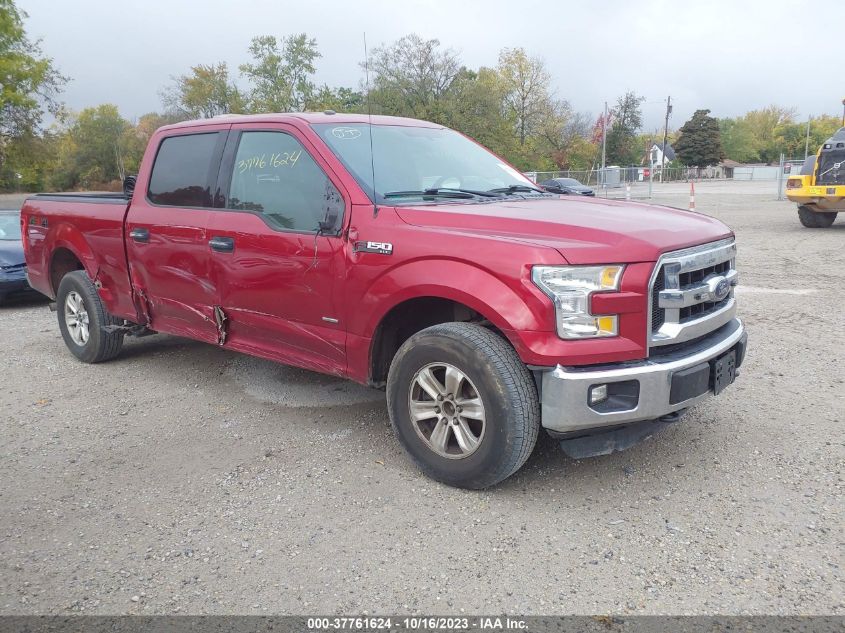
182 171
274 175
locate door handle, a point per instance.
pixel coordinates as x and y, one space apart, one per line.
140 234
222 244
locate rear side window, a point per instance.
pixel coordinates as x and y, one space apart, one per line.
275 176
182 171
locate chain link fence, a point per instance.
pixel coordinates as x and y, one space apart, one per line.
619 176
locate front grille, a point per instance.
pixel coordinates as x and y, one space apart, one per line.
691 313
687 298
697 276
656 313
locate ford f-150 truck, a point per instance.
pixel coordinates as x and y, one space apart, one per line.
403 255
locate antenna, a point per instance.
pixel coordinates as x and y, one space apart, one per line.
370 124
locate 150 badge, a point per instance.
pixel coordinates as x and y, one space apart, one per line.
381 248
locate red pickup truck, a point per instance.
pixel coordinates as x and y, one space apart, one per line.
401 254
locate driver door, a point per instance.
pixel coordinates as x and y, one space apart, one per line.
277 276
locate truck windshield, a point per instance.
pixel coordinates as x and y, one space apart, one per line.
412 162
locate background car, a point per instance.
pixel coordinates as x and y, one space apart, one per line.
567 185
12 264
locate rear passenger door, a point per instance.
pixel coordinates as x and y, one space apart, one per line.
278 277
166 233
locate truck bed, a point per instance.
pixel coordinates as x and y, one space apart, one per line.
57 225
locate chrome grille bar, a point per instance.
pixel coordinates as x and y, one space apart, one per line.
696 293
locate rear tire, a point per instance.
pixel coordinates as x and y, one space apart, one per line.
82 318
476 413
815 219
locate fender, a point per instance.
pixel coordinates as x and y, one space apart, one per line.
103 265
65 235
473 286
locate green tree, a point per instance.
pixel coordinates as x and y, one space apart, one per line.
30 159
411 75
738 142
562 134
206 92
622 146
762 125
135 138
791 138
473 106
526 97
91 149
29 83
337 99
700 141
281 73
753 137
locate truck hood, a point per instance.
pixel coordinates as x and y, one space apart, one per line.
582 230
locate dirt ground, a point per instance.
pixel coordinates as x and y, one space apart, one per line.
182 478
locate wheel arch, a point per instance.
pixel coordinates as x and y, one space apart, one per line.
412 297
62 261
406 318
69 251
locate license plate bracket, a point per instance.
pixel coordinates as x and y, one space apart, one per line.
724 371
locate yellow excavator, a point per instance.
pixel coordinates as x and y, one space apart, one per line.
819 189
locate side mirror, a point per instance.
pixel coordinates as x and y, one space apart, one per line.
334 208
329 223
129 185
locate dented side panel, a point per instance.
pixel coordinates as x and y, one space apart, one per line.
169 272
278 291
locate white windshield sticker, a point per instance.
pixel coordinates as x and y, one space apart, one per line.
346 132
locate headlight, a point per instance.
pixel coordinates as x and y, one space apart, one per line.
570 287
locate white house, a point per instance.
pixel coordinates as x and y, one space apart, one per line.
654 155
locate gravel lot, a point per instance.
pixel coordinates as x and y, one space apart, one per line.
181 478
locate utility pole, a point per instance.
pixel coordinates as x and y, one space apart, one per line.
603 143
807 142
665 134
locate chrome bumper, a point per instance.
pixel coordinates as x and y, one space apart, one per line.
565 390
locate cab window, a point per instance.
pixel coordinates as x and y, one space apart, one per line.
182 172
274 176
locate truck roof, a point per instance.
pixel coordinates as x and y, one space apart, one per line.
307 117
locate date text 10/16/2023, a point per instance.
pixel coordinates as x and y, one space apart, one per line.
414 623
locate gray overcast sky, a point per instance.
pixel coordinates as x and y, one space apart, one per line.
729 57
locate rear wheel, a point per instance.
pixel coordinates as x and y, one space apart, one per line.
463 405
82 319
815 219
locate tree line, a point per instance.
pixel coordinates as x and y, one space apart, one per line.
508 106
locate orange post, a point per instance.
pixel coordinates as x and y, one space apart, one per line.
692 195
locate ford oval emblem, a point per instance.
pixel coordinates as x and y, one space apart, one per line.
722 289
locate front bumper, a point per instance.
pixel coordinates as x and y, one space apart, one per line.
646 386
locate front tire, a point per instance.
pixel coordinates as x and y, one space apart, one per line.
815 219
463 405
82 318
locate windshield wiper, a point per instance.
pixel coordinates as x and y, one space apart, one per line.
517 189
443 192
